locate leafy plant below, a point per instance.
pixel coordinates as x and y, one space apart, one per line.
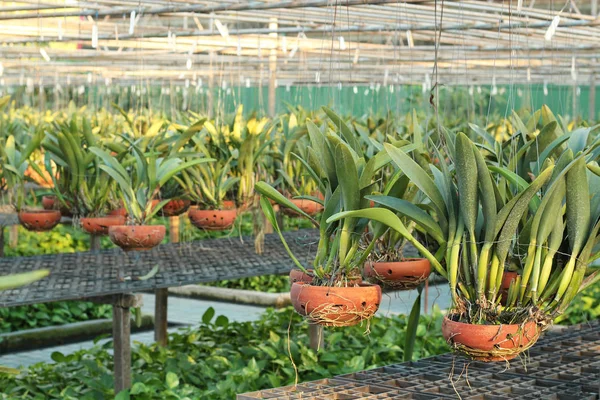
219 358
49 314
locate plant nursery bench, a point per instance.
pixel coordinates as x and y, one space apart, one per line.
93 276
563 364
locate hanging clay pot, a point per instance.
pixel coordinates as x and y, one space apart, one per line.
136 237
52 203
336 306
297 275
100 225
39 220
490 342
175 208
401 275
121 211
214 220
310 207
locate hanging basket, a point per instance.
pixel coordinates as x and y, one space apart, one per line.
310 207
336 306
39 220
399 275
490 342
136 237
214 220
100 225
175 208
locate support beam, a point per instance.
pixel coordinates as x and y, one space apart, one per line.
315 334
198 8
272 66
1 241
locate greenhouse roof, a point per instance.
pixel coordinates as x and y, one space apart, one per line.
312 42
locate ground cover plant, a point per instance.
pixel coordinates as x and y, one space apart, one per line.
219 358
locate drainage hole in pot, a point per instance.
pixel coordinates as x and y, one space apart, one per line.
364 303
303 306
389 271
214 215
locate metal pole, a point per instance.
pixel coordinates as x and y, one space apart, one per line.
315 334
592 115
122 347
198 9
272 66
211 84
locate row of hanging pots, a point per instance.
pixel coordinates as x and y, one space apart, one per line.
145 237
347 306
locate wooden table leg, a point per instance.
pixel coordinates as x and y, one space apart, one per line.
160 316
95 242
122 347
1 241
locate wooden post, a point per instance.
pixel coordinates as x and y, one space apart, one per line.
315 334
95 242
13 236
160 316
161 299
1 241
272 66
174 229
122 347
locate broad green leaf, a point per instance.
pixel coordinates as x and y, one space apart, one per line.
420 178
412 212
578 205
467 179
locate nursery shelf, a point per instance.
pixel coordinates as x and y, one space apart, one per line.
91 274
563 365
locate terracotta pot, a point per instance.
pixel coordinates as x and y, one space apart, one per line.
310 207
175 208
336 306
48 202
39 220
119 212
507 278
136 237
214 220
100 225
404 275
297 275
490 342
51 203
